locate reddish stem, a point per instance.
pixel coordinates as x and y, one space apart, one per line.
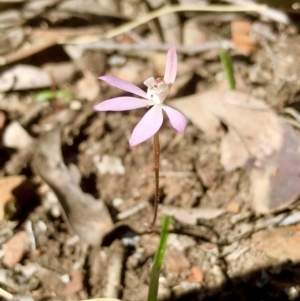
156 153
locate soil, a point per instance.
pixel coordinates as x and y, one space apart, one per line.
211 258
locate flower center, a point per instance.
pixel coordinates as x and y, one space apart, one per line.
157 81
157 89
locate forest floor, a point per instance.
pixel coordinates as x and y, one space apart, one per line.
76 201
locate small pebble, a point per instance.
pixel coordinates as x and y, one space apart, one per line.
117 202
65 278
117 60
72 241
16 248
40 227
292 292
15 136
75 105
130 241
110 165
55 211
28 270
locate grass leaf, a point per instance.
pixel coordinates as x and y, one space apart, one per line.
158 259
228 69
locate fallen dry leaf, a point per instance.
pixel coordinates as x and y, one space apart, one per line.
61 73
14 191
257 137
277 181
15 249
229 159
89 217
23 77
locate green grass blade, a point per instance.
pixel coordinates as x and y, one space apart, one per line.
45 95
228 69
64 94
153 287
158 259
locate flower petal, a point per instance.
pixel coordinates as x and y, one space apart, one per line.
149 82
121 104
177 119
148 126
123 85
171 66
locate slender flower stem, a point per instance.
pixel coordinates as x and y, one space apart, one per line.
156 153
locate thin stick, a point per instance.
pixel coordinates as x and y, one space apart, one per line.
145 46
68 39
156 153
180 8
6 295
271 13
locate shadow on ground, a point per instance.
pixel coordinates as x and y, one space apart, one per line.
272 283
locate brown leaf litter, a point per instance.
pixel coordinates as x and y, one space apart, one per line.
89 218
256 139
15 191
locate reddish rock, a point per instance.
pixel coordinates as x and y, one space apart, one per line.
16 248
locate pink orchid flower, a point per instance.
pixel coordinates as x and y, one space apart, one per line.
157 92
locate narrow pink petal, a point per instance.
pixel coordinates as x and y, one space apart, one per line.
121 104
123 85
171 66
148 126
177 119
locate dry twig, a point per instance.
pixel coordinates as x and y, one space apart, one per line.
270 13
180 8
71 37
130 48
4 294
114 271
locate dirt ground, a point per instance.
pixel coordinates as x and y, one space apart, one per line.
76 201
